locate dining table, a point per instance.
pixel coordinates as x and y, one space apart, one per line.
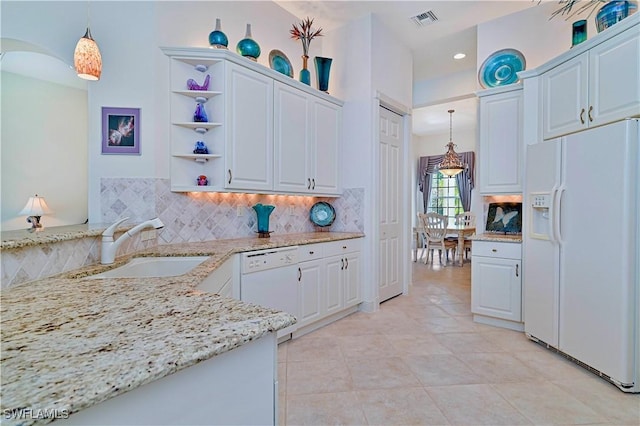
453 228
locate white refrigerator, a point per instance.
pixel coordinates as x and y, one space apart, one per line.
581 249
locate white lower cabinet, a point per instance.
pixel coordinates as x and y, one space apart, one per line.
329 278
496 284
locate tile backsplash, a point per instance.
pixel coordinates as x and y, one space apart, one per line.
202 216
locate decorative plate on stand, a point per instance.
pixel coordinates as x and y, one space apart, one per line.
322 214
500 68
278 61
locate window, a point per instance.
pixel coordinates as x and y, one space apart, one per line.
445 196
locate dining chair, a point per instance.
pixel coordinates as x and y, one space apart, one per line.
467 219
434 227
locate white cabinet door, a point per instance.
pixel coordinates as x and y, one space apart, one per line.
614 76
501 137
565 99
311 277
496 287
334 284
292 139
326 138
249 144
352 293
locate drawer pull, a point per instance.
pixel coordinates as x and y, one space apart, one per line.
311 252
494 250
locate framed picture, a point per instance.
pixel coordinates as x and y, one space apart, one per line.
121 131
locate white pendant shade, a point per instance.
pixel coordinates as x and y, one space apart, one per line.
36 206
87 59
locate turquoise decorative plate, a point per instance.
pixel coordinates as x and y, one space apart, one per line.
500 68
322 214
278 61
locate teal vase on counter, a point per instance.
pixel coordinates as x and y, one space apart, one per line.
263 211
305 75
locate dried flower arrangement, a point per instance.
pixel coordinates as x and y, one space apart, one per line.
567 6
305 34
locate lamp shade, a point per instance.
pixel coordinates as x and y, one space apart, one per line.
36 206
87 59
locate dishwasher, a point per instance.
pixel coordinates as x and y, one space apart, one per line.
270 278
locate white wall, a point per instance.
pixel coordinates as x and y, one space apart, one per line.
44 127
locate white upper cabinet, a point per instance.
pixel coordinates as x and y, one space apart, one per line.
596 87
501 137
249 123
265 132
307 133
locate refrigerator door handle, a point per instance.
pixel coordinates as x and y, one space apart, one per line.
552 214
558 229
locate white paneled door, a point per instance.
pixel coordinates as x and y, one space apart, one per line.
390 203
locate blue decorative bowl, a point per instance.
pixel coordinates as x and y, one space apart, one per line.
501 68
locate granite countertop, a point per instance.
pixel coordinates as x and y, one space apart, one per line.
69 342
54 234
501 238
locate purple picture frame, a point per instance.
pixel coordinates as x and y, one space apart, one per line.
121 131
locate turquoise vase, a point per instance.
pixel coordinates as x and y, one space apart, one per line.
323 66
305 75
263 211
218 39
248 47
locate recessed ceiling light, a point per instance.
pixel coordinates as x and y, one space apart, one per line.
459 56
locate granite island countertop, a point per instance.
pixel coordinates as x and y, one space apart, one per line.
499 238
69 342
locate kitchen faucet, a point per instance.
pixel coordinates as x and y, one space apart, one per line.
109 246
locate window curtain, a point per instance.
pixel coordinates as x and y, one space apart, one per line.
464 179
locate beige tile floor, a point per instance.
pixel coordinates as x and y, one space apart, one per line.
421 360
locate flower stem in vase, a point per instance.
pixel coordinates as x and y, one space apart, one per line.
305 75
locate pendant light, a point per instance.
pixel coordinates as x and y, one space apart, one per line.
86 58
451 164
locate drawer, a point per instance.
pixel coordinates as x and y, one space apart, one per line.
495 249
337 248
310 252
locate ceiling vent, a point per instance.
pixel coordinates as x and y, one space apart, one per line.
425 18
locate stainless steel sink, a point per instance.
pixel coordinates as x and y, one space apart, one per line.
147 267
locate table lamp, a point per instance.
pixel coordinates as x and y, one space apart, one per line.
35 207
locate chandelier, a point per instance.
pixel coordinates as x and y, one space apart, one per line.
451 164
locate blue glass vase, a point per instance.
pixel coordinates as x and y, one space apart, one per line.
579 32
263 211
323 66
248 47
305 75
200 115
613 12
218 39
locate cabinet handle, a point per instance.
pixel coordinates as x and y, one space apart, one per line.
494 250
308 183
342 262
517 274
582 116
314 183
346 262
299 274
590 111
229 176
311 252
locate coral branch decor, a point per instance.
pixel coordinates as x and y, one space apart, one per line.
305 34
